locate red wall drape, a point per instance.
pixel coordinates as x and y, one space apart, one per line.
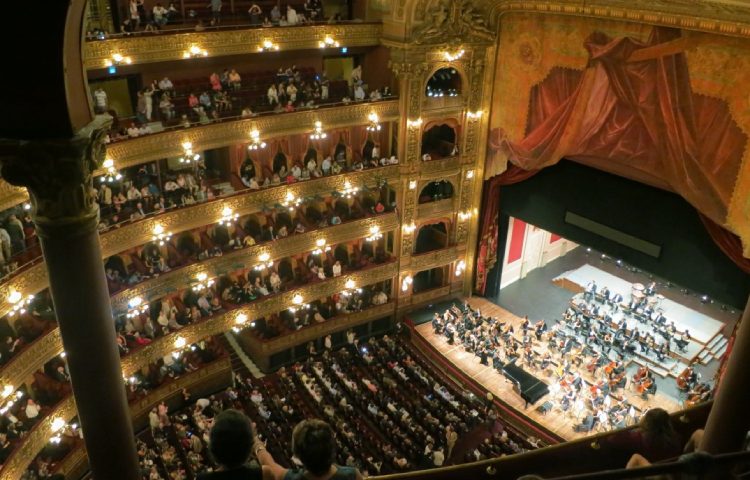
728 242
487 251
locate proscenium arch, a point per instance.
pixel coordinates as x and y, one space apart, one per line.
55 51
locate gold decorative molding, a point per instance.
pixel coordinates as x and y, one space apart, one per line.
436 209
268 305
10 195
439 169
430 295
434 259
22 456
165 144
34 279
23 365
260 348
284 247
166 47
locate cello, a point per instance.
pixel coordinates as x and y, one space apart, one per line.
683 379
640 374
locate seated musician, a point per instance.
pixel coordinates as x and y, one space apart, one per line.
539 329
437 323
662 351
546 361
650 289
605 294
450 332
525 324
590 290
616 300
683 340
497 359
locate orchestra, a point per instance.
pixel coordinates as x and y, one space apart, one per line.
586 352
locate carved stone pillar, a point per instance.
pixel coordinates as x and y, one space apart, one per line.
58 175
729 421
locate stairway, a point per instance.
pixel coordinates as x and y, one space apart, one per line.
241 363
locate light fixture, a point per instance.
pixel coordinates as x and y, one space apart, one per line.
239 322
202 282
318 133
409 228
297 299
460 267
268 46
194 51
255 142
11 398
322 247
351 288
117 59
329 41
188 156
19 302
291 202
265 262
474 115
414 123
470 174
374 120
349 284
136 307
7 391
180 342
27 206
228 216
57 425
464 215
452 56
374 234
412 184
111 174
160 235
408 280
349 191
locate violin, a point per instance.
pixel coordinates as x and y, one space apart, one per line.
610 367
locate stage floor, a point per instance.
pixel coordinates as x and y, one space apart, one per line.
557 421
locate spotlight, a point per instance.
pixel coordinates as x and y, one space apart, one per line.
619 263
704 299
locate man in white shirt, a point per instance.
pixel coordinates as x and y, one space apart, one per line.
100 100
159 14
291 16
336 269
438 458
165 84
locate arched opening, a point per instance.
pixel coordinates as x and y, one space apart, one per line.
437 190
428 279
431 237
446 82
280 165
438 142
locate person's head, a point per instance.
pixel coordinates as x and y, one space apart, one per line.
656 425
231 438
314 445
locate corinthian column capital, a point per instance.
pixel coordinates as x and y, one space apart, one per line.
58 174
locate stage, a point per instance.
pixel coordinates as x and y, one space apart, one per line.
557 421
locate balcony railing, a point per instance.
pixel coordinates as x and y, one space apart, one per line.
435 209
433 259
236 40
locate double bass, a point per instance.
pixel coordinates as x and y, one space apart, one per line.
683 380
640 374
644 385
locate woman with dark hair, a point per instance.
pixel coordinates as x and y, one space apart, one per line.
313 442
230 443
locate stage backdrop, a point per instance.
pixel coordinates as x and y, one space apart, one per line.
659 105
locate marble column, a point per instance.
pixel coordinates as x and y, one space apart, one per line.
59 177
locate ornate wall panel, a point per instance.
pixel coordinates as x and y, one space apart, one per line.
438 169
430 295
260 348
436 209
434 259
10 195
169 143
164 47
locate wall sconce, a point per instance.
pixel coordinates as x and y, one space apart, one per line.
406 282
474 115
409 228
460 267
116 60
194 51
452 56
228 216
349 191
202 282
291 202
136 307
351 288
329 42
160 235
188 155
268 46
318 133
111 174
19 302
255 142
374 234
239 321
27 206
464 216
470 174
180 342
322 247
414 123
265 262
412 184
7 393
374 125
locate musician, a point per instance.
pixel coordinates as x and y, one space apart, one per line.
590 290
605 294
615 301
546 361
450 332
687 379
683 341
650 289
437 323
483 354
662 351
539 329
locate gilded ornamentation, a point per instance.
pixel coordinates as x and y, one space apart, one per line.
159 48
435 209
439 169
10 195
169 144
434 259
429 295
451 22
58 174
31 359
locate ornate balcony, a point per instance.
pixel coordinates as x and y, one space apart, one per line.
34 279
167 47
436 209
434 259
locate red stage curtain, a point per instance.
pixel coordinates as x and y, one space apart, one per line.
728 242
633 105
487 253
